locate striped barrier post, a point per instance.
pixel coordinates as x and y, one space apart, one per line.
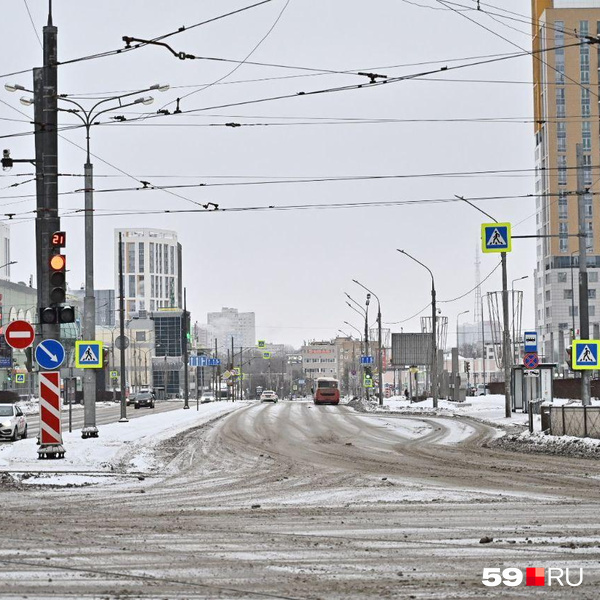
50 417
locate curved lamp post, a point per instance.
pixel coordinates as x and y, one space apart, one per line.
434 391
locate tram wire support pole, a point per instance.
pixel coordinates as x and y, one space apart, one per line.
584 311
122 398
506 351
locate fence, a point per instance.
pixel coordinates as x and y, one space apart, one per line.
578 421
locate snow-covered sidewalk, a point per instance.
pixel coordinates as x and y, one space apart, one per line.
126 447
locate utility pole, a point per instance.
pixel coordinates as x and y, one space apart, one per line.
184 342
45 87
584 312
122 397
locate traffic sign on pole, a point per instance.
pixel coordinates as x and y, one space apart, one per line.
88 354
496 237
20 377
530 341
531 360
50 418
19 334
366 360
585 354
49 354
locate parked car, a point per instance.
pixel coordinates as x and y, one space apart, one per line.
205 398
269 396
144 399
13 423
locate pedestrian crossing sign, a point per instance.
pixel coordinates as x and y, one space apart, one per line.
585 354
88 354
496 237
20 377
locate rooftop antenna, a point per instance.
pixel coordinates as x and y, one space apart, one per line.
50 13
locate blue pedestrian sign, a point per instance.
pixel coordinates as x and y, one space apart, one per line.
496 237
585 354
530 342
366 360
88 354
50 354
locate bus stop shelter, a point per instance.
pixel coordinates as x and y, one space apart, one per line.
531 385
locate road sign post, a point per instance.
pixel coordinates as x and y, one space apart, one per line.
50 417
585 355
531 360
49 354
19 334
496 237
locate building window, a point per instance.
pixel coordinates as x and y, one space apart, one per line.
159 257
172 260
586 135
548 295
587 169
166 253
563 209
151 252
547 312
562 170
141 257
593 276
130 306
130 257
591 310
592 293
141 292
568 294
140 336
561 134
562 277
563 326
132 293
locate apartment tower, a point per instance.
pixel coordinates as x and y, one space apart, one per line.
566 93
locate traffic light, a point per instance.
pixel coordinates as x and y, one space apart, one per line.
368 378
57 311
467 366
105 357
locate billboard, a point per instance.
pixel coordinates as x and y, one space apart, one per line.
410 349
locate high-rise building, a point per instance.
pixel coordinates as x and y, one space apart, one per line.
229 323
151 268
566 89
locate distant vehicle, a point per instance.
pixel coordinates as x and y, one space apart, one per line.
205 398
13 423
481 389
269 396
144 399
327 391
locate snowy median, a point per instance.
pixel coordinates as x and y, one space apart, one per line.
124 448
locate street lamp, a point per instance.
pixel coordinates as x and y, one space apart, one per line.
464 312
89 118
379 352
512 297
434 391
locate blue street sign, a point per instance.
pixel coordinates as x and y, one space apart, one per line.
50 354
204 361
530 341
496 237
6 362
585 354
366 360
88 354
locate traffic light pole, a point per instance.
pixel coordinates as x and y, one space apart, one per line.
123 397
184 342
89 302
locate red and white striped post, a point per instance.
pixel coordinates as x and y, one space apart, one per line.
50 416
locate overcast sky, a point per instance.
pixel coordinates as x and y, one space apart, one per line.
291 267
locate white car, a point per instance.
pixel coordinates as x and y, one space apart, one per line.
13 423
205 398
269 396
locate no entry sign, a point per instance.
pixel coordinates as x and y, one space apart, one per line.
19 334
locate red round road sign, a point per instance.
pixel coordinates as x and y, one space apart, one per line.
19 334
531 360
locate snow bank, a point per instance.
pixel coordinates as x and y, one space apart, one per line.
120 447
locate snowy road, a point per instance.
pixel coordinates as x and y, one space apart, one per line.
298 501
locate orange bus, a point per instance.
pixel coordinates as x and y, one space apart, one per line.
327 391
